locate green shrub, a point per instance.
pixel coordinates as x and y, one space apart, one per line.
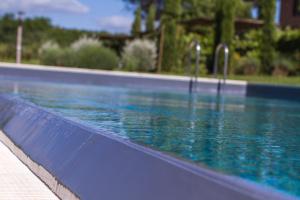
139 55
283 66
246 66
289 45
6 51
85 41
289 41
186 47
49 57
296 58
66 57
52 54
49 53
248 43
95 57
86 53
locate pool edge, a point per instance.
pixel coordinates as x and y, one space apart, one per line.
39 171
147 81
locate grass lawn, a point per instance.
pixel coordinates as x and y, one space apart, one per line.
295 80
32 61
277 80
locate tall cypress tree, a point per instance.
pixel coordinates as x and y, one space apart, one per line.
150 22
172 11
267 47
137 23
224 22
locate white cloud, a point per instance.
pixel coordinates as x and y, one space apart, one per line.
72 6
116 23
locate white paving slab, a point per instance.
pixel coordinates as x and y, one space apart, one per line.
17 182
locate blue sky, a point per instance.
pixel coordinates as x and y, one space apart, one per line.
109 15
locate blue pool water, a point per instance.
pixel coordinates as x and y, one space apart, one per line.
256 139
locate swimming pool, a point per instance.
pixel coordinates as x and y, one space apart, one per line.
256 139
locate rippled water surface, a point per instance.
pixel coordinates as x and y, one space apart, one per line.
256 139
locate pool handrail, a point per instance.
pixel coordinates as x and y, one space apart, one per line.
226 59
194 77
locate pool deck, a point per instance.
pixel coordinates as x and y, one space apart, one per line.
17 182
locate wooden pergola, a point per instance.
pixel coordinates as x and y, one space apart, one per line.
123 37
116 37
241 25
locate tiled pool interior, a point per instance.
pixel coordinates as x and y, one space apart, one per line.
256 139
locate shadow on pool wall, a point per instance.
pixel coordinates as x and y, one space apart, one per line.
273 92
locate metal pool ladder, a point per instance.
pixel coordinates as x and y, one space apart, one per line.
226 57
194 77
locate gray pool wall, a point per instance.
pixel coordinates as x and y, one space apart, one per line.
147 81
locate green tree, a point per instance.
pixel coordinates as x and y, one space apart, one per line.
137 24
8 31
8 28
244 9
36 31
150 23
198 8
224 22
171 13
268 36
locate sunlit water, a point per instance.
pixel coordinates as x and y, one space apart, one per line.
256 139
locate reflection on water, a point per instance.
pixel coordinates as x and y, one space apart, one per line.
252 138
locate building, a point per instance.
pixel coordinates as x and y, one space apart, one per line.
290 13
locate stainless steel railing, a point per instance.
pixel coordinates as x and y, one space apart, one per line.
195 45
226 59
